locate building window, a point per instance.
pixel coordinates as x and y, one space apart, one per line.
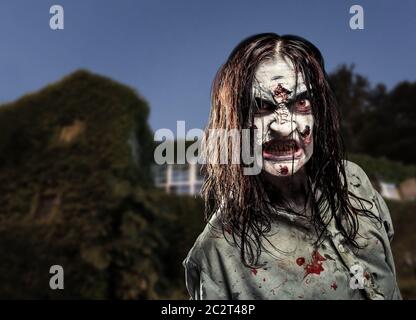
160 174
180 189
389 191
178 178
199 176
197 188
72 131
185 189
180 172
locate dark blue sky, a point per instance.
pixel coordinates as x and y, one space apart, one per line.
170 50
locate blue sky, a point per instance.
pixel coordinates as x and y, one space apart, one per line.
169 51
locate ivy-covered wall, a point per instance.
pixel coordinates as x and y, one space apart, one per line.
71 192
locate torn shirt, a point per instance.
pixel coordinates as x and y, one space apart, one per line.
295 267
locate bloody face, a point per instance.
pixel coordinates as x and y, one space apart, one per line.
284 117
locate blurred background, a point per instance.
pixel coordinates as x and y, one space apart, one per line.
79 108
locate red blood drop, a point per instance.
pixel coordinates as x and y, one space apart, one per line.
253 271
300 261
334 286
284 170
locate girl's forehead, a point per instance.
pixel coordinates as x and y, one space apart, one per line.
277 68
278 71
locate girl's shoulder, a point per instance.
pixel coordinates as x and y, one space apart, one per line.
360 185
211 241
356 177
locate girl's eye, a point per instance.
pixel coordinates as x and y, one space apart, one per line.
265 107
303 106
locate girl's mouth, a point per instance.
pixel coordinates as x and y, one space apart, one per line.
279 150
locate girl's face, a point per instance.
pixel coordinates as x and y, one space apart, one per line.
284 118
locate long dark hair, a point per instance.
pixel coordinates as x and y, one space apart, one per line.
241 200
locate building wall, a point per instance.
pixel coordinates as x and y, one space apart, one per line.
408 189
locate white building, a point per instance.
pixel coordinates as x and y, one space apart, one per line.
179 178
389 191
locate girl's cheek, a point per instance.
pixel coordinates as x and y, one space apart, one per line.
306 128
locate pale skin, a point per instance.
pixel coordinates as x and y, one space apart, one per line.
285 124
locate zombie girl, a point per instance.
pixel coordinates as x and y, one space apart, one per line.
310 225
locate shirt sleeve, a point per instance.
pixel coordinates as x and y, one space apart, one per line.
388 226
192 279
363 185
200 284
368 191
384 214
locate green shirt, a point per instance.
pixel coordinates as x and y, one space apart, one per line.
295 268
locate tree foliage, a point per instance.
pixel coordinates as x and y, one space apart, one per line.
376 121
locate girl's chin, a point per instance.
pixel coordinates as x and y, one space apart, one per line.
283 168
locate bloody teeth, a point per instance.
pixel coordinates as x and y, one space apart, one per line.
281 147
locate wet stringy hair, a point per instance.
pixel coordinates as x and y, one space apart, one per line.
242 200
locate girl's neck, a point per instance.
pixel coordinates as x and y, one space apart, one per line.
291 189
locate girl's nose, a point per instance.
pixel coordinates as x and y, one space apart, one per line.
283 122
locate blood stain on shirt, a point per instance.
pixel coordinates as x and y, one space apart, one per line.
334 286
253 271
300 261
315 266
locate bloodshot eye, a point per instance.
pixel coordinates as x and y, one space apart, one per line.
303 106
